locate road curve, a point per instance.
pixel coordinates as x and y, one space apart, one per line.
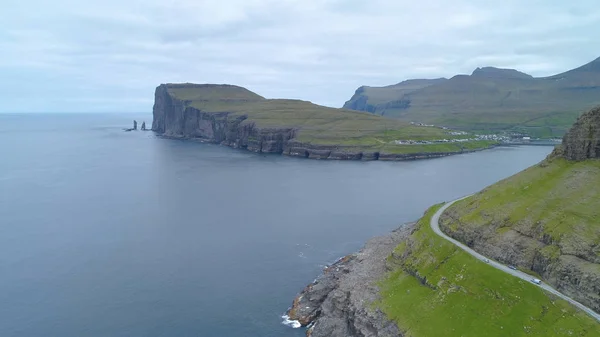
435 225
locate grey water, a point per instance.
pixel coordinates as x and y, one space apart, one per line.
112 233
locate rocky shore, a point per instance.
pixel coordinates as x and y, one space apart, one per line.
175 118
340 301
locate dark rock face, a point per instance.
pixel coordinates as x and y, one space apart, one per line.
175 118
339 302
582 141
359 102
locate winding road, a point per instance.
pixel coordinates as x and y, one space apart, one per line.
435 225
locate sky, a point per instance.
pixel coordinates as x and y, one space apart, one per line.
109 55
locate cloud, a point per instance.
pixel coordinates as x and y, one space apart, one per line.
71 55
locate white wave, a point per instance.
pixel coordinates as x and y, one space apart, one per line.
291 323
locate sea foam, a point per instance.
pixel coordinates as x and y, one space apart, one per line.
291 323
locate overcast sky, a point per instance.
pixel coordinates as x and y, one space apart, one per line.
71 55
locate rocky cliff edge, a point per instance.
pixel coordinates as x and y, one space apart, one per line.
582 141
339 302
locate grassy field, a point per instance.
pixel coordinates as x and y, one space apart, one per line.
541 107
318 124
436 289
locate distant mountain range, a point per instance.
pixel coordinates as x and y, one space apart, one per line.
490 99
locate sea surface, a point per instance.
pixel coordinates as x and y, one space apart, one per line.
105 233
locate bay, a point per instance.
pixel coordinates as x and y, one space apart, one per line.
112 233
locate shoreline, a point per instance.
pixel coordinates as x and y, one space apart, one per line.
324 152
338 301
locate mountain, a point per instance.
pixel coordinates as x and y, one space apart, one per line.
237 117
490 99
369 98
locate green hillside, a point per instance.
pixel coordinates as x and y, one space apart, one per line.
556 203
492 100
317 124
436 289
544 221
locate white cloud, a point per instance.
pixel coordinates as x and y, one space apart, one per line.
110 55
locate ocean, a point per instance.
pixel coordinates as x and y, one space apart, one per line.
112 233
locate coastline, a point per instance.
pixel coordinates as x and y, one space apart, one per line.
324 152
339 302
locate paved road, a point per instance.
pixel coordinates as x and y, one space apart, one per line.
435 225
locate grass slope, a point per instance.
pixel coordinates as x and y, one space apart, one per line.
558 201
495 101
318 124
436 289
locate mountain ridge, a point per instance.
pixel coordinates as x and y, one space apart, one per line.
491 100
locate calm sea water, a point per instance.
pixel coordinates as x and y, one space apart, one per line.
108 233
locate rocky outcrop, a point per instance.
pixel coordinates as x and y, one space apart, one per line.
176 118
360 99
339 302
359 102
582 141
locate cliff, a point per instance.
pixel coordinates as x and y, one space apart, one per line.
544 219
377 99
583 140
236 117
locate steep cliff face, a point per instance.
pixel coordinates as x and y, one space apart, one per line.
340 302
377 99
175 118
583 140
